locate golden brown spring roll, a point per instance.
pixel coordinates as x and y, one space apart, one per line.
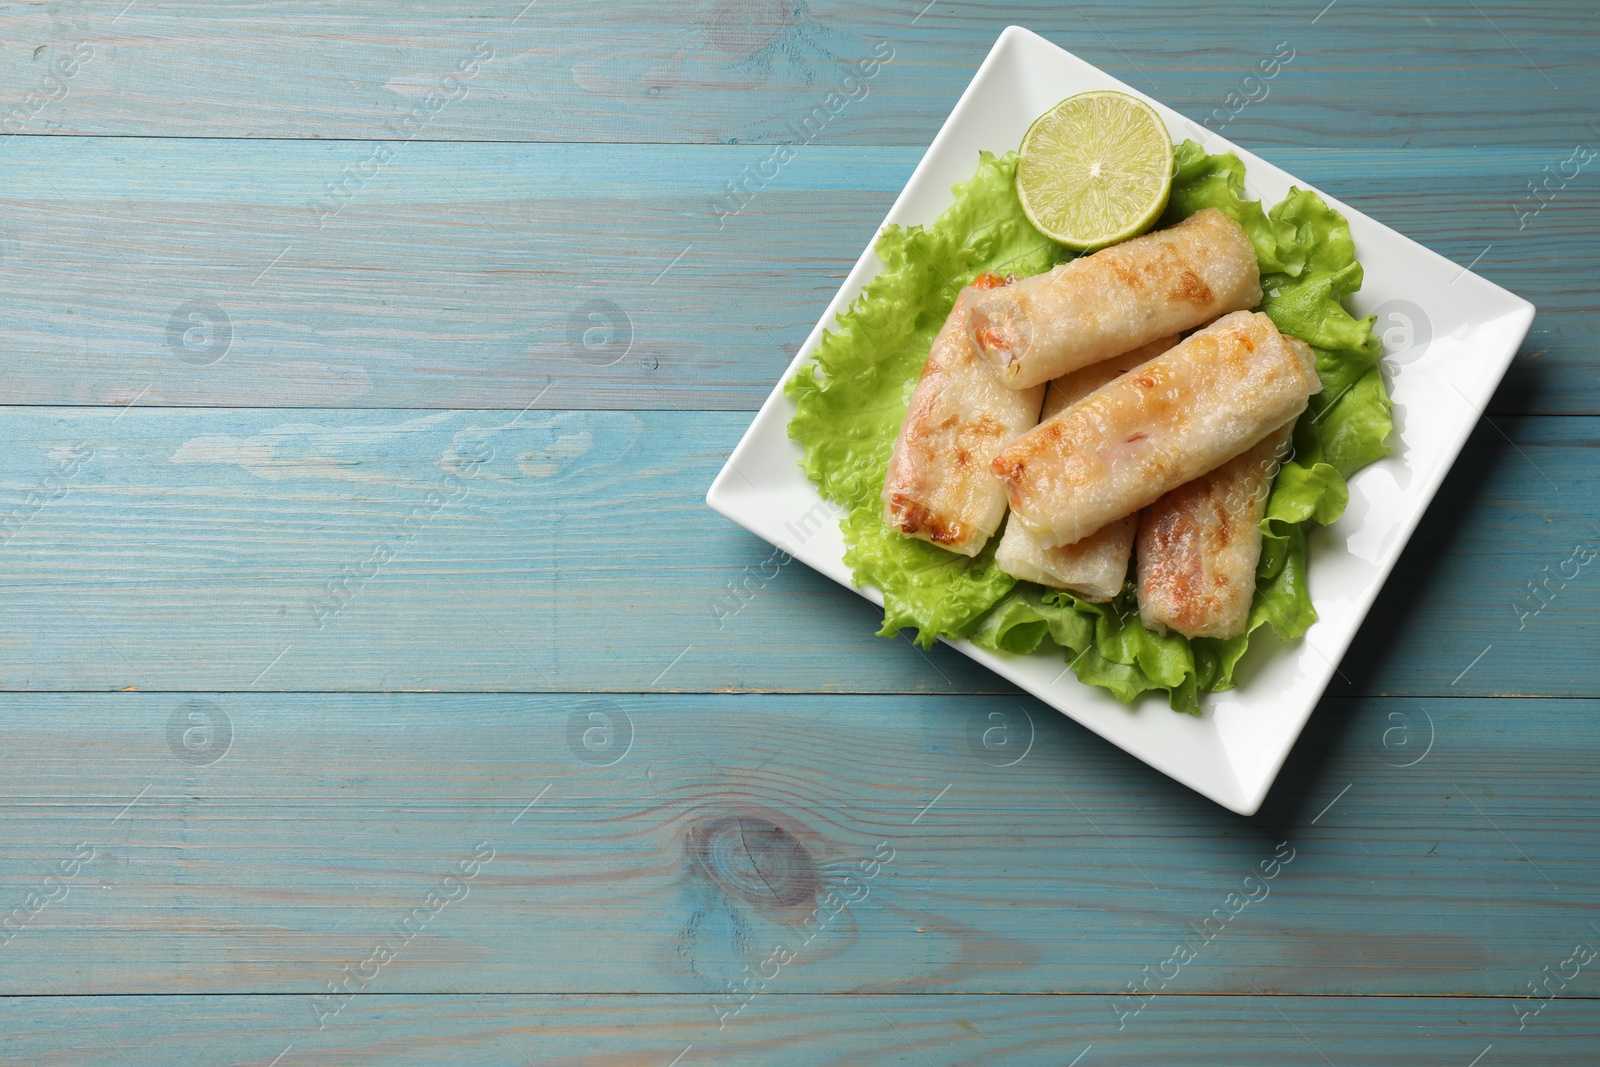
1188 411
1199 545
1096 566
1100 306
939 487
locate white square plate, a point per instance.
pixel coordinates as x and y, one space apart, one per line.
1459 334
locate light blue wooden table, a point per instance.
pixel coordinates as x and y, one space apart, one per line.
366 695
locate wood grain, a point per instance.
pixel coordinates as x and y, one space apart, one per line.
259 843
792 1031
198 272
457 276
1364 72
486 551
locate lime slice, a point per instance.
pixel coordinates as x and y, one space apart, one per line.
1095 169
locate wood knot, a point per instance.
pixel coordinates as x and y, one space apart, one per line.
753 857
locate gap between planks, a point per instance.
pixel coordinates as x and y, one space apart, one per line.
1253 995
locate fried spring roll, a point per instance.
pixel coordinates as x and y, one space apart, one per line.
1121 297
1199 545
939 487
1188 411
1096 566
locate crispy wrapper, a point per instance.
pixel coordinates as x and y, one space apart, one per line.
939 487
1179 415
1199 545
1096 566
1122 297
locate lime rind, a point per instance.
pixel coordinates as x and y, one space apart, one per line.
1095 169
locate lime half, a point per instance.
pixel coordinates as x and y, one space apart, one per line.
1095 169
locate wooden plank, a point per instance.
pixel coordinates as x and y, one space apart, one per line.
1365 72
876 1028
491 551
259 843
226 549
184 272
190 272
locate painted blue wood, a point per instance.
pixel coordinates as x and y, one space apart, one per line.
579 276
260 843
795 1031
1364 72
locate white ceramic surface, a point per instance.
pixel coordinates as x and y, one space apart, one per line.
1234 750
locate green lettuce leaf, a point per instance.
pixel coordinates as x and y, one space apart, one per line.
923 585
1108 646
1202 181
852 398
1027 616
